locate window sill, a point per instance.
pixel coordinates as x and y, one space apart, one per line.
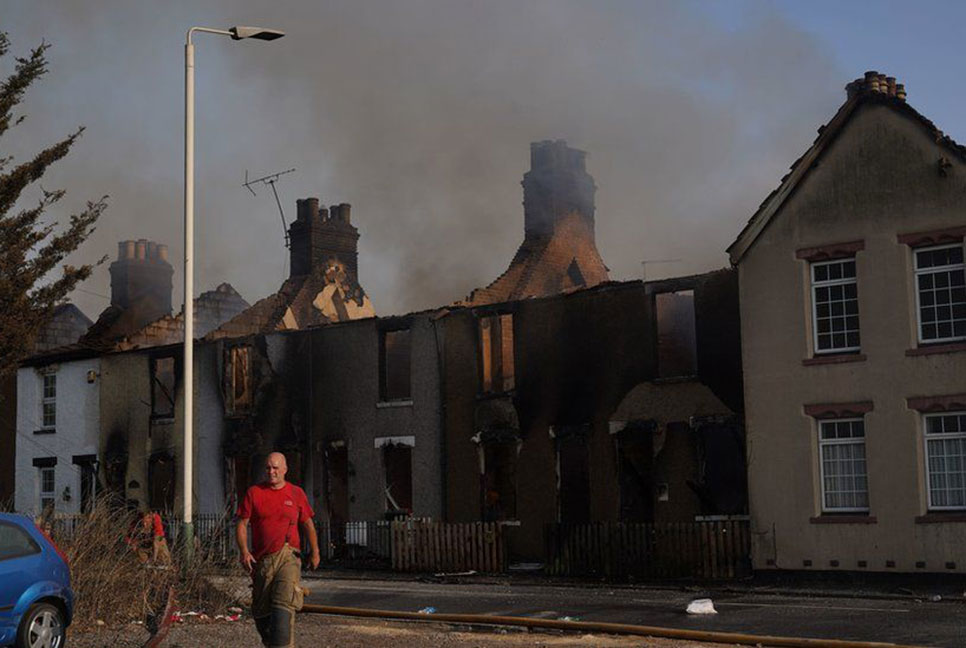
394 403
833 358
849 518
45 431
940 518
955 347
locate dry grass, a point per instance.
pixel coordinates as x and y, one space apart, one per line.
110 583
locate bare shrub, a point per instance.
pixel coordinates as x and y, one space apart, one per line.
112 585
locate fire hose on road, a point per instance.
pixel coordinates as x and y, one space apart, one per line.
601 627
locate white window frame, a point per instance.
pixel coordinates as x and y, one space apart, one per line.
926 437
917 272
822 443
828 283
46 400
52 493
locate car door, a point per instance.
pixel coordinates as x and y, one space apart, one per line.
21 564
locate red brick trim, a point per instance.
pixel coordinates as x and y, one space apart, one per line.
833 358
844 519
939 518
838 410
933 349
829 252
934 237
937 403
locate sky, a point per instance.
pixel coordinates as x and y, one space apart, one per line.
420 114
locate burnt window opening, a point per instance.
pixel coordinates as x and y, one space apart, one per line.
496 353
336 477
398 463
499 480
88 479
573 475
394 365
635 471
163 385
161 481
677 349
238 380
87 464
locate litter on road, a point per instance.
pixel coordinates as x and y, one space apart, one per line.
701 606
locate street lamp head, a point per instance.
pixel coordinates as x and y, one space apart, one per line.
239 32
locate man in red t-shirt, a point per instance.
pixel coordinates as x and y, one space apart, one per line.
276 510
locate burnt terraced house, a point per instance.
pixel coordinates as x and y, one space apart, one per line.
551 396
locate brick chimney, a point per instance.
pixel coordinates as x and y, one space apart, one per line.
141 278
320 234
556 186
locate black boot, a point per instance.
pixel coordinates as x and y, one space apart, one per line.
283 628
264 627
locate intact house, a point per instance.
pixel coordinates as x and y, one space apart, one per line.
853 328
66 325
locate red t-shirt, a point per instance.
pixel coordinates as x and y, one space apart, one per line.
156 525
275 516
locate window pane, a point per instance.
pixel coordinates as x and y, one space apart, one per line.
845 483
50 415
15 542
946 463
836 307
50 385
942 297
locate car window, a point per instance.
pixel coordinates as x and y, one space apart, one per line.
15 542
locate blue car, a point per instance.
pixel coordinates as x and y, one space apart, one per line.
36 602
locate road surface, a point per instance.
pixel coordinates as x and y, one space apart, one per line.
906 621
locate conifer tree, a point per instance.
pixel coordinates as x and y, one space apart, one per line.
31 248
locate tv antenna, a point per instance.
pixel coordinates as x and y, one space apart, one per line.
270 180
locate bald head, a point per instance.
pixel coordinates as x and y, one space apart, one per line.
275 469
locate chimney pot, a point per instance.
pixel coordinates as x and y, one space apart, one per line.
901 91
313 207
162 252
141 249
344 210
129 249
152 250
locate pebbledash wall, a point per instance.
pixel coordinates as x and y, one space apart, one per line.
62 446
884 178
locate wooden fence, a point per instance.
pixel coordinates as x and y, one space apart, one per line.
447 547
668 550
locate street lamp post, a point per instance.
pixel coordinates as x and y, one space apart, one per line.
236 33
